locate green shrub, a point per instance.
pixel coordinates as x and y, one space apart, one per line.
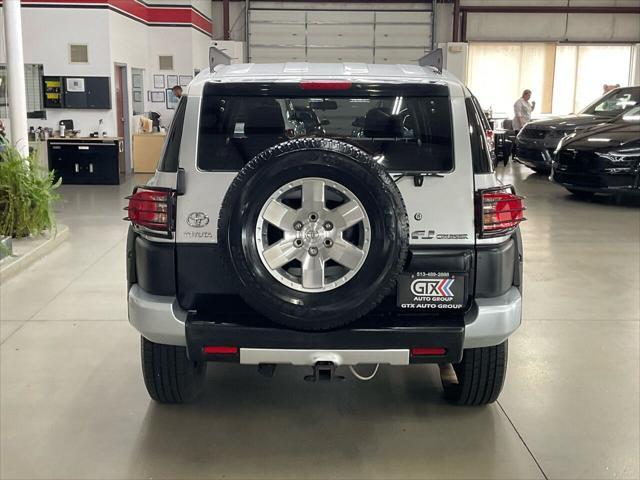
27 193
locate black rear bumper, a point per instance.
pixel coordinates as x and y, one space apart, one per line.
369 333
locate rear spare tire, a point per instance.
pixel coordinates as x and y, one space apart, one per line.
315 231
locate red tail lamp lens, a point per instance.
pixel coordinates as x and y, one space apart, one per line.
502 211
151 208
428 351
325 85
220 350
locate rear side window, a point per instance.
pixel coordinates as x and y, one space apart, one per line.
169 159
404 133
479 148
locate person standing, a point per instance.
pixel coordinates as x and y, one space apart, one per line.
607 88
177 91
522 110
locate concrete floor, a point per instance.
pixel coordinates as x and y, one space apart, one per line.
73 404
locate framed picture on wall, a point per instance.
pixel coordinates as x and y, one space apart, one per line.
172 80
156 97
185 79
172 100
158 81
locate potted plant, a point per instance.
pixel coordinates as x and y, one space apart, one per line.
27 193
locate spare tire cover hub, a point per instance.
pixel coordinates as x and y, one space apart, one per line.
309 251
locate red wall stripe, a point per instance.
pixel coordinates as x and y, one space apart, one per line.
149 14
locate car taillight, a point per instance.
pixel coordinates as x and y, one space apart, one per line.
500 211
220 350
151 210
325 85
428 351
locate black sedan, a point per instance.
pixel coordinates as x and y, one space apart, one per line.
537 140
603 159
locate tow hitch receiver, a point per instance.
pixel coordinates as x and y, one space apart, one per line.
323 372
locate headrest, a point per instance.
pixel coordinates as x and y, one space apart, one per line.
379 123
264 118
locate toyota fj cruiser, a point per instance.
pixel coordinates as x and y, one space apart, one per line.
375 234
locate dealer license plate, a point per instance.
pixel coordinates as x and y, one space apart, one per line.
431 291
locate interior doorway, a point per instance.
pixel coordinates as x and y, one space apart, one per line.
122 115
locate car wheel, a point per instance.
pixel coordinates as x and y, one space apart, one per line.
315 231
581 194
170 377
478 378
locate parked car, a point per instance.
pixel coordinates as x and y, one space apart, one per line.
537 140
388 247
603 159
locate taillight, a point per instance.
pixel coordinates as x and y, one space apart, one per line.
219 350
151 210
325 85
500 211
428 351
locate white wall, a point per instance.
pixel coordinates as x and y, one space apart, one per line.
47 34
112 39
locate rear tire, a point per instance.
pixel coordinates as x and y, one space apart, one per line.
479 377
170 377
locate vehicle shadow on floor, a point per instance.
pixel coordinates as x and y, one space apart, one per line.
250 426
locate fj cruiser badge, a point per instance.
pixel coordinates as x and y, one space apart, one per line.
197 219
431 234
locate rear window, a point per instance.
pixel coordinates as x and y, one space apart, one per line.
478 123
169 159
405 131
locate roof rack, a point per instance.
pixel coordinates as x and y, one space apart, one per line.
432 59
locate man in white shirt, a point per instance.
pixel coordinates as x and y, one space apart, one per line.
522 110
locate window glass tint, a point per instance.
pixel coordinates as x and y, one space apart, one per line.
479 148
402 133
170 153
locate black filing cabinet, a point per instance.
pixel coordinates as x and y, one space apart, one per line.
86 161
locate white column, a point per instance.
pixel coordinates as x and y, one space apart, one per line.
15 76
634 71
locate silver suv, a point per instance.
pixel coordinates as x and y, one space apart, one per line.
376 234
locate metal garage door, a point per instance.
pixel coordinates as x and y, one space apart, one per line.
277 35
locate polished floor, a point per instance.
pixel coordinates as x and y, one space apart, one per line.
73 404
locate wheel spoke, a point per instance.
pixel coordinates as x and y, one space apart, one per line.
345 253
280 215
347 215
313 272
313 195
280 253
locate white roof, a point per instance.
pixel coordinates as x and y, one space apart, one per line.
292 72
